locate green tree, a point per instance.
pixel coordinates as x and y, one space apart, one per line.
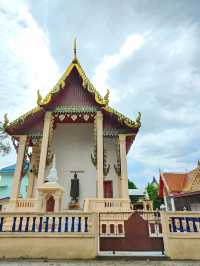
4 141
131 185
152 192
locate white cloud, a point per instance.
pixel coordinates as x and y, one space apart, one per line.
131 44
167 150
160 70
165 88
26 63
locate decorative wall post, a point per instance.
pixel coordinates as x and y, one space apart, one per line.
172 204
124 171
165 201
44 148
30 185
117 167
57 202
19 165
99 125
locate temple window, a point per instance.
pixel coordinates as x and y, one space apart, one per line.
120 229
112 229
103 228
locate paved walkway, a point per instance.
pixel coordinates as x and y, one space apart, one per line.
118 262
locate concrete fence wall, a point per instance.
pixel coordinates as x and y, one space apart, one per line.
75 235
56 236
181 234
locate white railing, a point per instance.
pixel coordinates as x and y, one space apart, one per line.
52 223
106 205
182 222
181 234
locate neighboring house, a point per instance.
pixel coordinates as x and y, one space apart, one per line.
6 180
181 191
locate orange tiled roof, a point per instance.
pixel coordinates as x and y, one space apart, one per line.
175 181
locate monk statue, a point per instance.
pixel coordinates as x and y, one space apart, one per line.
74 192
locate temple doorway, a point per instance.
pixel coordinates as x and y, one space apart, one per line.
108 189
50 204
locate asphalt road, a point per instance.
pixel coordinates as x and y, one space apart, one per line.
116 262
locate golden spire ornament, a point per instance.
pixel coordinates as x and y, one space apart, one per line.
74 50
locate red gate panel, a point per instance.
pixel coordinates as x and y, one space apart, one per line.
136 238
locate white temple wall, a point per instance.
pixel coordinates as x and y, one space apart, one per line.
110 146
73 145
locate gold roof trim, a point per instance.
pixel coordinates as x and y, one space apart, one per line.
86 84
22 118
123 119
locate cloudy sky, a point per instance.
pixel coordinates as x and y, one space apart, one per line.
146 51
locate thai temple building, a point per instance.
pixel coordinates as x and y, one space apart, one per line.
77 146
77 204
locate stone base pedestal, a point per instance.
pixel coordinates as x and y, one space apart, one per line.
48 190
74 205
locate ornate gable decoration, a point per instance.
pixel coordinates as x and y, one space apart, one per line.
193 180
103 101
87 85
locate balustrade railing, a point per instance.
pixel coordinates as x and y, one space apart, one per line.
26 205
52 223
181 234
107 205
184 224
149 215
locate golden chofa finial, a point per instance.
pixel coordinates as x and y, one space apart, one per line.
6 121
138 120
39 98
74 49
106 97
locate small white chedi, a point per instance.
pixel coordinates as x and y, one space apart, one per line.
53 175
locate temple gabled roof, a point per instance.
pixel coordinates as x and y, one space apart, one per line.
46 102
176 183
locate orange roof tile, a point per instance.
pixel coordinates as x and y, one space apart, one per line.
175 181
